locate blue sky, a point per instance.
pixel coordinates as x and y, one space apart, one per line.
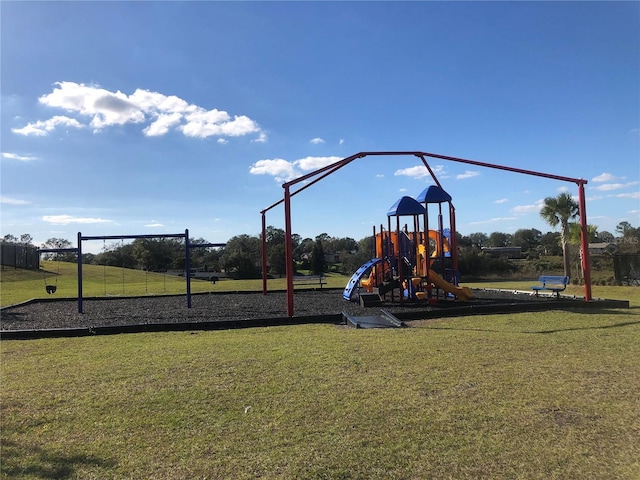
142 117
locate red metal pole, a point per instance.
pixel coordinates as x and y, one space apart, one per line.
288 249
399 257
584 242
441 237
390 251
375 255
502 167
454 242
427 245
329 169
187 266
375 247
433 175
264 253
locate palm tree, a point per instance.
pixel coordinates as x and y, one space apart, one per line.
559 211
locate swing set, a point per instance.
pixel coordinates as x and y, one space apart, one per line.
105 275
52 287
104 270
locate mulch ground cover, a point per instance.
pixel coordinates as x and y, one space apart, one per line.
225 307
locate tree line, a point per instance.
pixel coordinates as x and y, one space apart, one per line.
241 256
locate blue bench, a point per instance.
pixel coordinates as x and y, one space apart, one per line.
555 284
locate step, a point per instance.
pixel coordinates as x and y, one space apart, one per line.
383 320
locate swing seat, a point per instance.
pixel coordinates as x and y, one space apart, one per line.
51 289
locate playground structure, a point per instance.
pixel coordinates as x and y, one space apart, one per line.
314 177
50 289
419 263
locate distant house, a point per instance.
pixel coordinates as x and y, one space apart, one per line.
328 257
602 248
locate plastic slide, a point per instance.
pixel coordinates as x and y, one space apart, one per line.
464 294
348 290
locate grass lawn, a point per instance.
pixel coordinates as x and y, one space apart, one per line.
20 285
527 395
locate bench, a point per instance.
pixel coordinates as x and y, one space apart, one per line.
555 284
203 276
314 280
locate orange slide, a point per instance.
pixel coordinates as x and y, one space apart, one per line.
464 294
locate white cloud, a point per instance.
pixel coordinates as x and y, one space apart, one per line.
502 200
262 138
42 128
162 124
418 171
285 171
15 156
316 140
467 174
403 190
614 186
627 195
13 201
281 169
163 113
150 102
493 220
222 141
209 123
341 141
313 163
105 107
563 189
525 209
154 224
67 219
604 177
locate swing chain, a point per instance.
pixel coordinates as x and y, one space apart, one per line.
52 288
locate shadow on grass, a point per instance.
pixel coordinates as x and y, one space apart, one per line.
34 462
600 327
557 330
635 310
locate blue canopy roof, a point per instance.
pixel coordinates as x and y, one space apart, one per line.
434 194
406 206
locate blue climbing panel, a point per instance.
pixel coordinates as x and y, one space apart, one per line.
353 282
